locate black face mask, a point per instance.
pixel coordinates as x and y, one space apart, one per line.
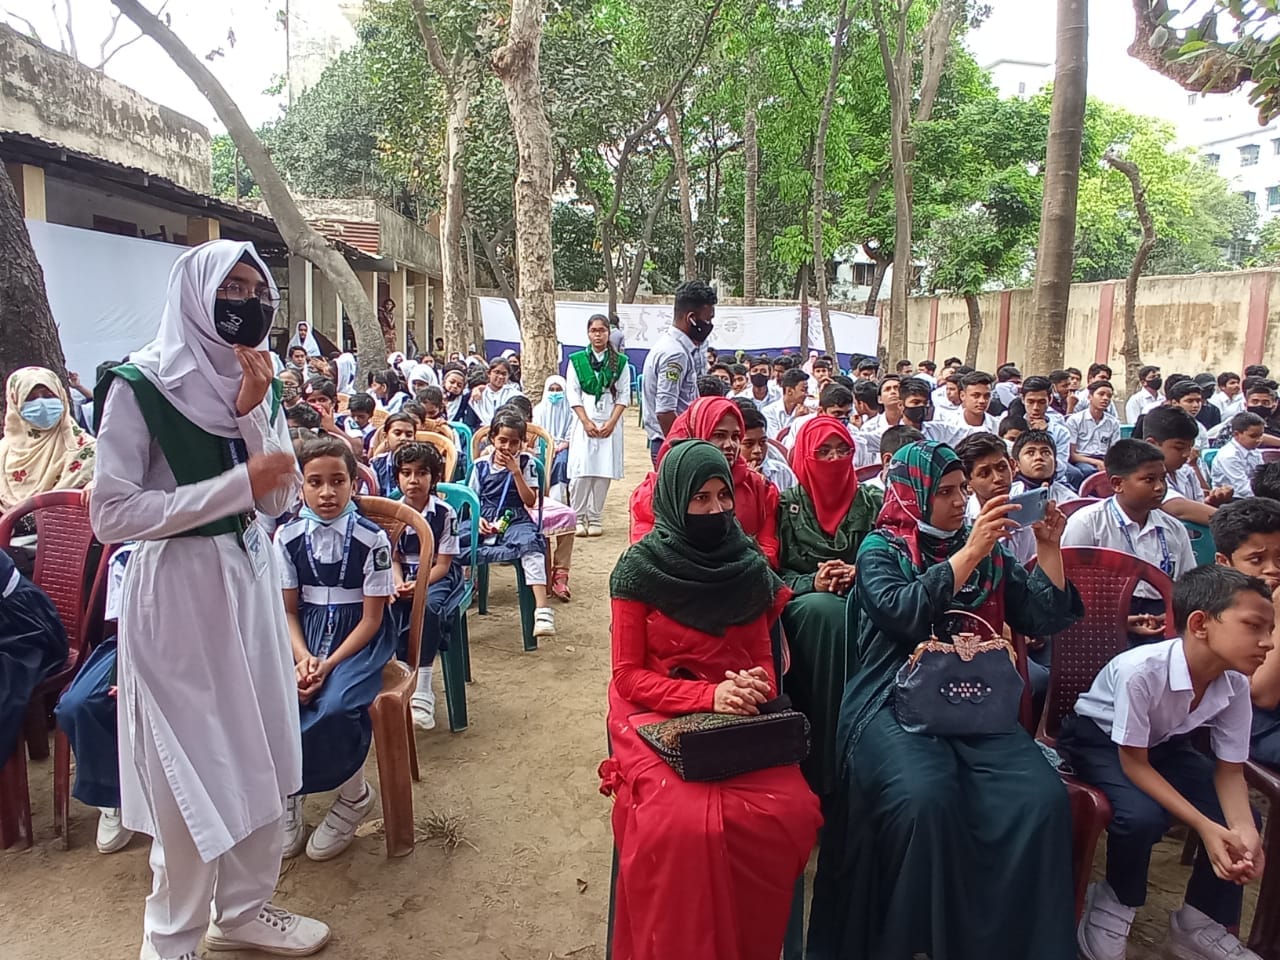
700 330
1266 413
759 379
706 531
915 414
1155 383
242 322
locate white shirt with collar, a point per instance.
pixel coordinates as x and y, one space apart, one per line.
1143 698
1183 483
1229 406
954 429
1162 541
1140 403
1093 438
776 471
941 405
777 419
772 394
868 437
1234 467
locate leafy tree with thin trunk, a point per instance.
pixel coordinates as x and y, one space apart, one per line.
1061 186
1132 349
301 238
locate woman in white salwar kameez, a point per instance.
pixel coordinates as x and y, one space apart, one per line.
191 441
599 389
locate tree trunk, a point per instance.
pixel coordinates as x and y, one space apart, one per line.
28 335
302 240
877 281
751 179
517 66
1132 350
646 235
474 320
490 247
1055 256
686 196
975 330
804 309
453 268
820 180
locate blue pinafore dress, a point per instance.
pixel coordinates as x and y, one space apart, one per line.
444 596
498 494
336 727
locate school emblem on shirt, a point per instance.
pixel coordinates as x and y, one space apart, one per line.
382 558
453 525
673 371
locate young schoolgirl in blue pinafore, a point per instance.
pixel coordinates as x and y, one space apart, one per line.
335 568
419 469
506 482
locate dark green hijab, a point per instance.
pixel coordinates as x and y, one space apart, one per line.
708 590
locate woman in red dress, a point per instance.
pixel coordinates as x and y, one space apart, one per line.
718 421
706 870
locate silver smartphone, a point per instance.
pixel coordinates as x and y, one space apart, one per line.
1031 504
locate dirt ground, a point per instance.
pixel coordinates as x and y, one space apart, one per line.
529 882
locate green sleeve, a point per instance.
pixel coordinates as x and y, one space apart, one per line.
1033 606
904 609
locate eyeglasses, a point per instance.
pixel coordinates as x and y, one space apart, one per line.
239 290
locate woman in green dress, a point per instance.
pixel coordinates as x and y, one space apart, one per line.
954 847
821 523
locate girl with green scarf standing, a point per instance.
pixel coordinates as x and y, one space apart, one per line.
955 847
599 390
706 870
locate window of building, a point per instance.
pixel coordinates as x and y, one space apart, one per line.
1273 197
1211 160
1249 155
1191 100
1275 146
1022 87
1250 196
863 273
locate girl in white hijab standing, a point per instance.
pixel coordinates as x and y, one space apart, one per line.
191 441
303 337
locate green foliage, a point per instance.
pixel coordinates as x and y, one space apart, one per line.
223 156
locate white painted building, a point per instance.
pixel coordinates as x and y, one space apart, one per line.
1019 78
317 32
1229 139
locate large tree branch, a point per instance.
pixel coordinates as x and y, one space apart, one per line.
646 235
490 247
1210 72
1132 349
435 53
936 47
31 27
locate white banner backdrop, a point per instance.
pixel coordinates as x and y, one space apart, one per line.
737 328
106 292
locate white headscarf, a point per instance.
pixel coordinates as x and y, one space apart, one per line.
421 373
346 371
195 369
555 418
310 344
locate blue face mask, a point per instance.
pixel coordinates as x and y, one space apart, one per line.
306 513
556 397
43 414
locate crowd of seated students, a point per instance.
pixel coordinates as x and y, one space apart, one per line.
960 847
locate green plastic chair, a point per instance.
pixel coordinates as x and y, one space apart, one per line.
1126 431
523 591
457 659
637 394
1207 457
1202 545
464 434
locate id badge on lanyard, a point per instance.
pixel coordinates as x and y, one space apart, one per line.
331 613
1166 559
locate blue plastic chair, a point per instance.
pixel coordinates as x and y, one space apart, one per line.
1207 457
1202 545
463 433
523 591
1126 431
456 660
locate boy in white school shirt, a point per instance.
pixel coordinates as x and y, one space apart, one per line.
1236 462
975 398
1131 736
1131 521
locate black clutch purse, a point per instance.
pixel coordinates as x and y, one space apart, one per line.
968 687
716 746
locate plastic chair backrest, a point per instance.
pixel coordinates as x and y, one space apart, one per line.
546 451
1270 455
463 433
63 566
445 445
1096 485
1126 431
1202 544
477 444
869 472
368 480
393 516
1071 506
1106 580
1207 457
458 496
378 418
344 403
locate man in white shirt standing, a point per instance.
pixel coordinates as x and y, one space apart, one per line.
674 363
1228 398
1148 394
786 411
1236 463
975 397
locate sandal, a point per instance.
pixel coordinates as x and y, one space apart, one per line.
560 584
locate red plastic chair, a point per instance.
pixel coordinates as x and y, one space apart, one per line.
367 484
869 472
62 570
1264 933
1096 485
1071 506
1106 580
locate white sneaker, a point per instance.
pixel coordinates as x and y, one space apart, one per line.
1194 936
149 952
422 705
1103 933
338 828
112 834
595 529
295 827
273 931
544 622
582 528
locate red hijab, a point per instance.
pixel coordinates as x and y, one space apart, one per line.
755 499
830 485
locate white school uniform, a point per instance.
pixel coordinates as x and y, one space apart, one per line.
776 471
1162 541
1140 403
777 419
941 405
1229 406
1234 467
1092 438
772 394
951 431
594 462
489 400
1143 698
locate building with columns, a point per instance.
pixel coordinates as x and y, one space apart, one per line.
113 185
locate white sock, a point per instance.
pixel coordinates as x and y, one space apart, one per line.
354 788
424 693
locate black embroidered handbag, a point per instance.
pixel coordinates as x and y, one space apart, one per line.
716 746
968 687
